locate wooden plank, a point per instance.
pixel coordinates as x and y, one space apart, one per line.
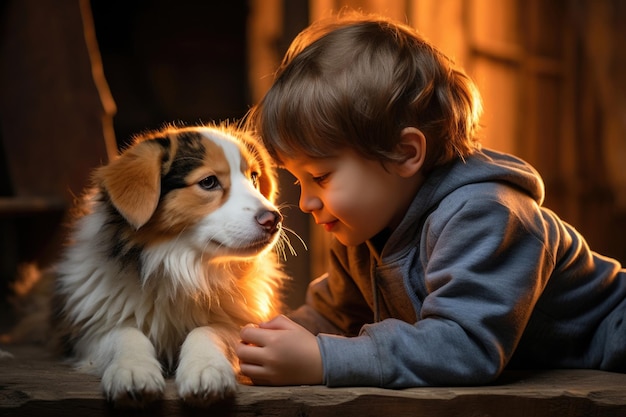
33 383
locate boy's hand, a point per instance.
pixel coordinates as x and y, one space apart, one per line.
280 352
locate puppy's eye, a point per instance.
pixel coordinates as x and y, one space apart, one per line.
254 177
209 183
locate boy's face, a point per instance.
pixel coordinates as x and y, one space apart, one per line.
351 197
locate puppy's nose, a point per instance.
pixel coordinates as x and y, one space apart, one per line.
269 220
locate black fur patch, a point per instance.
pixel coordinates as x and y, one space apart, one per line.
189 156
114 236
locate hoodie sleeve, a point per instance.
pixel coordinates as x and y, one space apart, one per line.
484 265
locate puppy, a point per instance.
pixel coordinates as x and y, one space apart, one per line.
170 255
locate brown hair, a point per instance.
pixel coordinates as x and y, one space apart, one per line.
356 81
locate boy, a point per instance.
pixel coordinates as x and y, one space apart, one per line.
445 269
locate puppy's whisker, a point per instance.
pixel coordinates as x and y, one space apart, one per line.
280 249
284 242
286 205
288 241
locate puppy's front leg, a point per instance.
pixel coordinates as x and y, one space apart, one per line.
131 373
204 374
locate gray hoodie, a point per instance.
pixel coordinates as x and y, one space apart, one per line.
476 278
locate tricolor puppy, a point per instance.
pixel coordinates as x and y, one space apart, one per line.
171 255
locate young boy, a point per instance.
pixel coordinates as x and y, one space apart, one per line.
445 268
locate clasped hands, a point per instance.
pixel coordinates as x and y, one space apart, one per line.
279 352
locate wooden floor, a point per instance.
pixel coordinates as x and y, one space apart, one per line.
34 384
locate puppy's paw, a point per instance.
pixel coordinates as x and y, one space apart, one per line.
201 382
133 384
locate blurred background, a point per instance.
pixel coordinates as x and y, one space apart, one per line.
78 78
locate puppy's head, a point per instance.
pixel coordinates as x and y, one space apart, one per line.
211 188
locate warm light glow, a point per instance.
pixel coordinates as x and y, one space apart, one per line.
265 305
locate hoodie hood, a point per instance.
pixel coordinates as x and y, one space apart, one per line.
482 166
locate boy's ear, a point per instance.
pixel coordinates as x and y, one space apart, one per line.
412 147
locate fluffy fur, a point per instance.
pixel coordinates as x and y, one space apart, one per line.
170 256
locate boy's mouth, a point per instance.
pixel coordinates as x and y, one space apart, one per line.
329 226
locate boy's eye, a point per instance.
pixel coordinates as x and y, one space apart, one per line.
320 179
316 179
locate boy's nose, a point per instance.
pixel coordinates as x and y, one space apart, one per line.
309 203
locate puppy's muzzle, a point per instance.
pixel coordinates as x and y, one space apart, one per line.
269 220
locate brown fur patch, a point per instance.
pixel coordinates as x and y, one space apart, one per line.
133 182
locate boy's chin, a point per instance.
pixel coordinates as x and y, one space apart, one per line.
349 240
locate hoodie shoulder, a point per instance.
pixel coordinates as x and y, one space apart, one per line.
490 165
485 166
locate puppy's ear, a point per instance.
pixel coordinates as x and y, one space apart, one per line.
133 181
